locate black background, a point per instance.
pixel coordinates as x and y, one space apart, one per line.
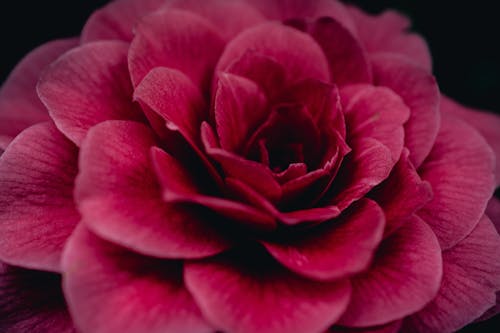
463 38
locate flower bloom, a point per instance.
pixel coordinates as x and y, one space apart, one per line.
264 166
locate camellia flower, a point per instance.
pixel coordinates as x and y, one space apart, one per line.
263 166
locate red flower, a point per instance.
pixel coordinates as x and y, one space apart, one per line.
243 166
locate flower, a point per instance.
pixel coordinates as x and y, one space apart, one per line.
243 166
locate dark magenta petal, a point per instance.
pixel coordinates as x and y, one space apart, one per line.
263 297
388 33
32 301
239 107
486 123
402 193
297 52
230 17
88 85
120 199
178 185
493 212
346 56
117 20
376 112
419 91
460 170
109 289
176 39
20 106
337 248
37 213
404 277
471 276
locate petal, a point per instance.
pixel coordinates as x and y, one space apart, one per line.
388 32
297 52
32 301
471 276
334 249
230 17
401 194
404 276
177 39
109 289
86 86
117 19
368 164
419 91
20 106
376 112
486 123
120 199
493 212
37 213
240 107
347 59
262 297
178 185
460 171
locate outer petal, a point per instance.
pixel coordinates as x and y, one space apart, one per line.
37 212
471 277
177 39
388 32
336 248
109 289
263 297
296 51
230 17
420 92
86 86
19 103
488 124
120 199
405 275
460 171
32 301
117 19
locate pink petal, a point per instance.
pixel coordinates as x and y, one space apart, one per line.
388 32
262 297
117 19
20 106
404 276
32 301
109 289
368 164
297 52
401 194
493 212
486 123
471 276
419 91
86 86
347 59
460 171
230 17
393 327
334 249
240 107
172 95
176 39
178 185
120 199
376 112
37 213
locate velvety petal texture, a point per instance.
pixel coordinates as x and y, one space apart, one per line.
109 289
37 212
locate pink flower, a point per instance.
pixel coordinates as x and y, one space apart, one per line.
243 166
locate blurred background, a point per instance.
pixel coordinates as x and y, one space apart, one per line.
463 38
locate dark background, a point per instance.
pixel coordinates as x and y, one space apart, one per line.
463 38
